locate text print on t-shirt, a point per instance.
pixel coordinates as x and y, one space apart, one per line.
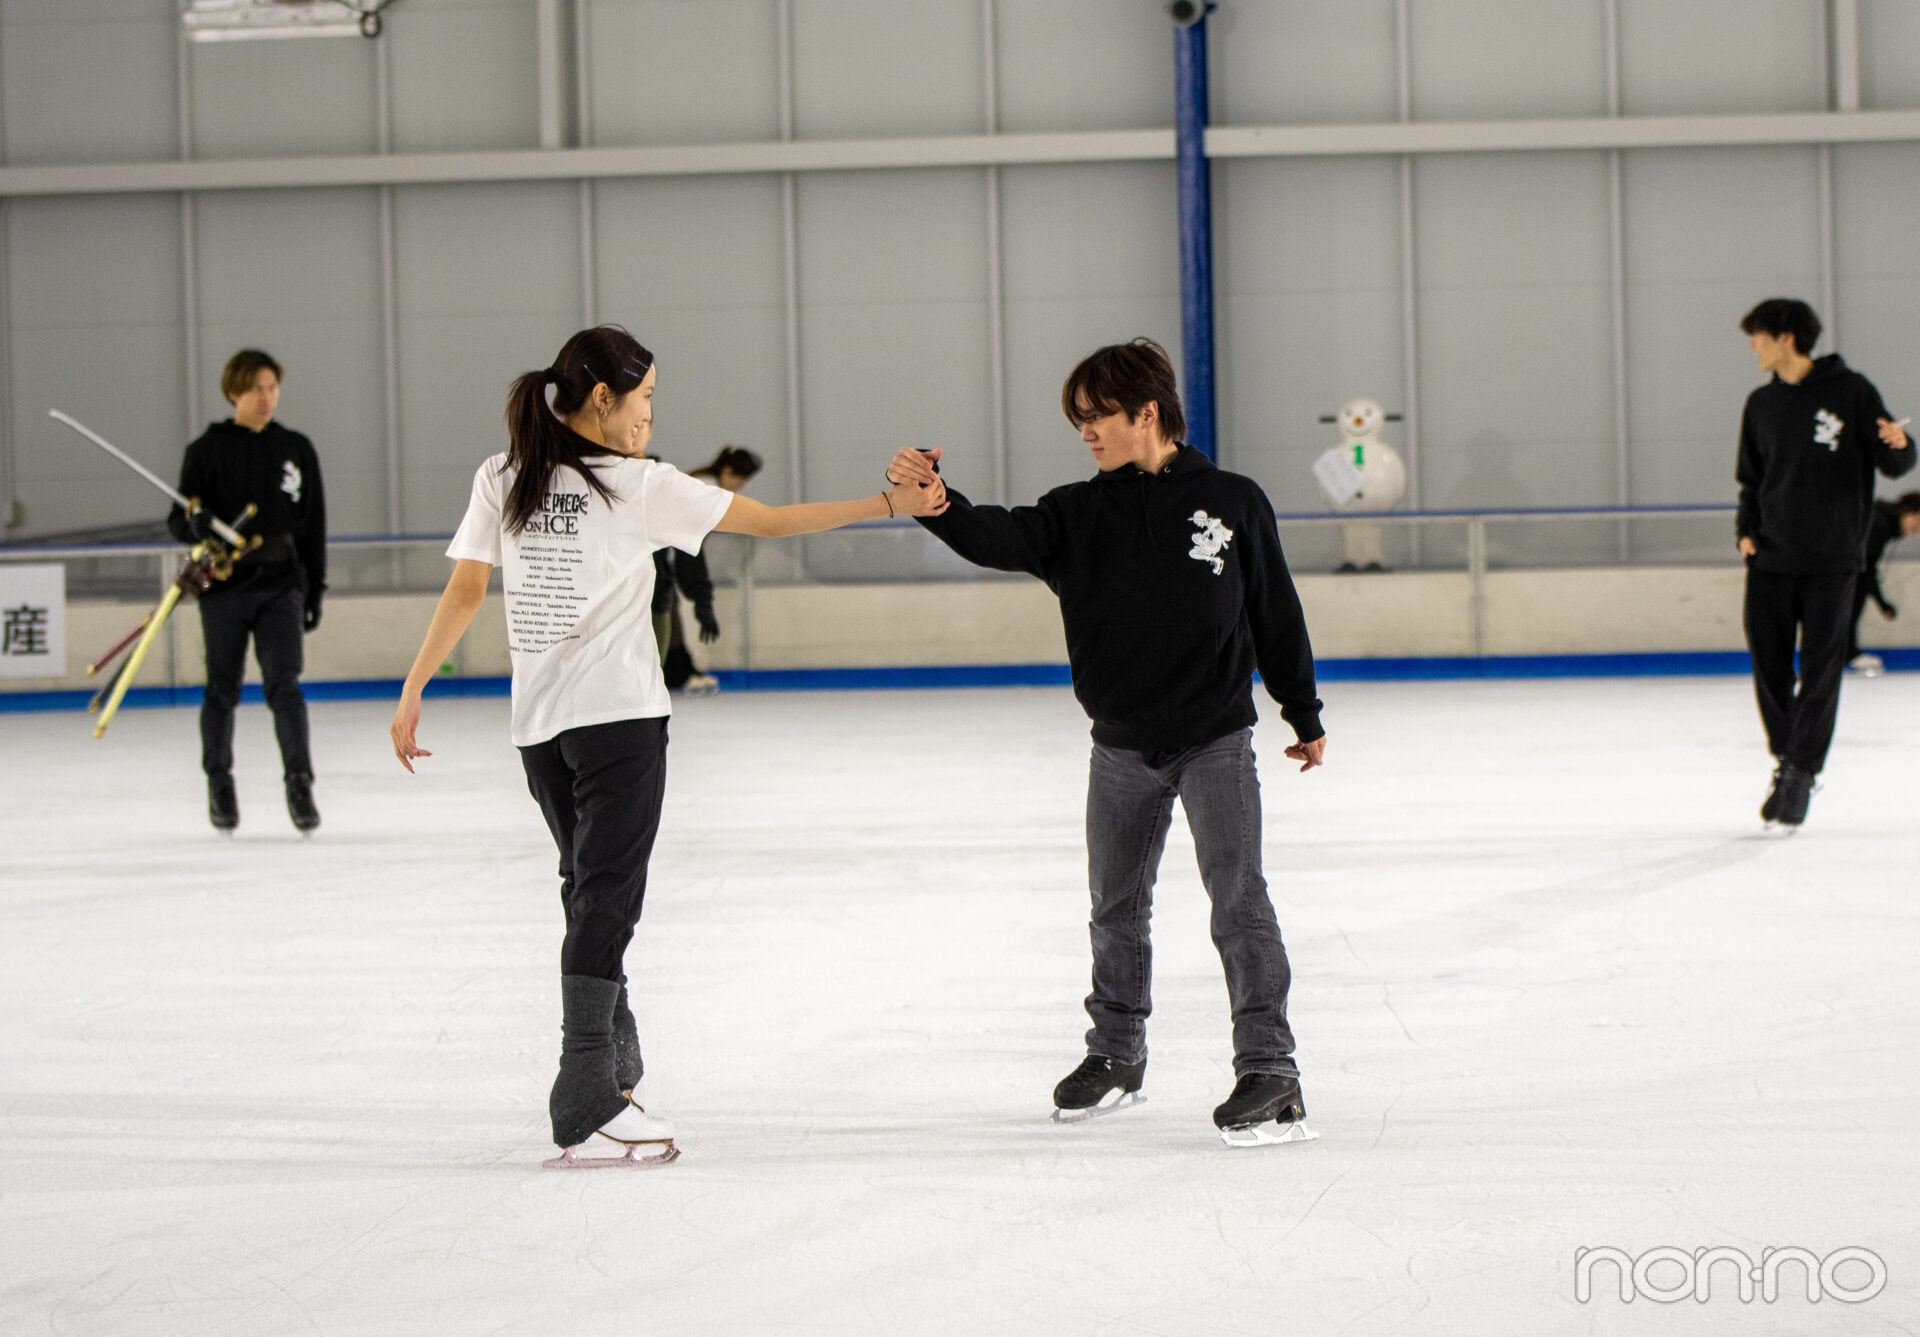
545 607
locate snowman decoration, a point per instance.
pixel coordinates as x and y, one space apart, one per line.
1361 474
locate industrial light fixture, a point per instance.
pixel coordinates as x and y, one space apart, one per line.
252 20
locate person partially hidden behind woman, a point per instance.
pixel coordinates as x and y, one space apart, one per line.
687 572
1891 521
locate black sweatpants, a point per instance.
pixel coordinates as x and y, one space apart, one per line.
600 789
1814 612
270 610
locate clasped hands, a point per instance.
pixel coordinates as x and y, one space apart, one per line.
915 468
916 494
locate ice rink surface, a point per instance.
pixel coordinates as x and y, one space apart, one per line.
1552 990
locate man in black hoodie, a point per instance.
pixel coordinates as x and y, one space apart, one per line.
275 591
1810 441
1173 590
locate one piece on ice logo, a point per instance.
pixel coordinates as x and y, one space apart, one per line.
1827 428
290 480
560 514
1213 536
1667 1275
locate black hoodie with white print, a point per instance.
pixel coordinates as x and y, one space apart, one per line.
1173 590
275 469
1808 453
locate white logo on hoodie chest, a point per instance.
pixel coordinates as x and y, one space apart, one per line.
1827 427
1208 543
290 480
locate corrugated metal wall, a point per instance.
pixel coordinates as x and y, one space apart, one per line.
897 270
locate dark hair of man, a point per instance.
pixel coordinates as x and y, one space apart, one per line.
731 459
1124 378
538 442
1784 315
1907 503
243 369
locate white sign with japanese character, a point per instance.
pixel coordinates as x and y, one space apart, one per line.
33 621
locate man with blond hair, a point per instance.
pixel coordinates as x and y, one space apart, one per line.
273 596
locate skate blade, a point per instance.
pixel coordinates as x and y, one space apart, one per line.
1271 1134
1112 1105
570 1159
1780 830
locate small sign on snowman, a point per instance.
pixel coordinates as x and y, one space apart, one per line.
1339 475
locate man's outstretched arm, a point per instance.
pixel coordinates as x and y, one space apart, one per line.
1020 538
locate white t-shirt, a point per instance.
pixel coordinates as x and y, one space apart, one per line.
579 584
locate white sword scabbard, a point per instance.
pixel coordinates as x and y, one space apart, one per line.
220 527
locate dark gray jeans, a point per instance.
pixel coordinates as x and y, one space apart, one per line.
1129 808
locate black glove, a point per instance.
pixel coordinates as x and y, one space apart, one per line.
709 624
312 618
200 525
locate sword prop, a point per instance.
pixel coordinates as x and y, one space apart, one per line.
206 559
118 646
220 527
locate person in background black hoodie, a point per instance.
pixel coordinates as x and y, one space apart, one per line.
1810 441
1173 590
1891 520
275 591
730 471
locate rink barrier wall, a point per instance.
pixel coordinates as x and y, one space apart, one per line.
1604 621
1415 616
1405 669
922 677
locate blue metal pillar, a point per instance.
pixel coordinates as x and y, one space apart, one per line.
1196 230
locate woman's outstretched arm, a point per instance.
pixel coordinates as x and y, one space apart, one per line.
747 516
466 591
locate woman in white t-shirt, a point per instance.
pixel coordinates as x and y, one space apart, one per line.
572 512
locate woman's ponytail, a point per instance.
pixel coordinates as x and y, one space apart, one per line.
538 442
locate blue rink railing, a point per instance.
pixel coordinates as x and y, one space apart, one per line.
1442 540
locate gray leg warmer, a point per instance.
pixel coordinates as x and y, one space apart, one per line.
585 1095
627 1066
